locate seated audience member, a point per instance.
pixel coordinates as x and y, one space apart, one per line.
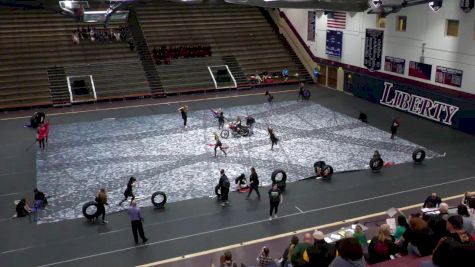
22 208
382 246
456 249
350 254
297 254
264 258
462 210
286 256
226 260
360 236
432 201
320 254
438 222
285 74
401 227
419 237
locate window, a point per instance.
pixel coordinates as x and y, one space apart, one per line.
452 28
380 21
401 23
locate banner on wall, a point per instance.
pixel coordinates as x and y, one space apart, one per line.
394 64
311 26
420 70
373 49
334 43
452 77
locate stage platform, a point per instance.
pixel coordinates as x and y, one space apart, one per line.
82 157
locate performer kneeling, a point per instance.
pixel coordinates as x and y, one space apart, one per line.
241 182
218 145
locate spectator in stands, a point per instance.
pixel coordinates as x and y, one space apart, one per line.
264 258
285 73
419 237
360 236
131 44
320 254
401 227
75 37
382 246
226 260
22 209
456 249
432 201
462 210
297 254
350 254
287 255
438 222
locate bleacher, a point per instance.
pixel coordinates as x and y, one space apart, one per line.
35 40
230 30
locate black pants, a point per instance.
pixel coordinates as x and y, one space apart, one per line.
41 142
185 119
255 188
274 206
137 226
221 125
102 209
126 196
224 194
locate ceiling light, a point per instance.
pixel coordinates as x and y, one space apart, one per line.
435 5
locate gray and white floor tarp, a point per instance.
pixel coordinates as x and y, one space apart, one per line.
82 157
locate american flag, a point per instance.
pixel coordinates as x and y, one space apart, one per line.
336 19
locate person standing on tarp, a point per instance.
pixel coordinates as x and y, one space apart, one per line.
184 114
394 126
273 138
129 190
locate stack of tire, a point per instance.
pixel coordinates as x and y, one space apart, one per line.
323 170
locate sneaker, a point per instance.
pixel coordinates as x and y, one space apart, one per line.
104 222
145 240
223 204
270 218
275 216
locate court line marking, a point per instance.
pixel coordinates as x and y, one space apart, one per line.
252 223
149 105
299 209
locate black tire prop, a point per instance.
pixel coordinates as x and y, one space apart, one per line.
90 210
418 155
376 164
156 197
279 177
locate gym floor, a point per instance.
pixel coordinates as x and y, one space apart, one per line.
195 225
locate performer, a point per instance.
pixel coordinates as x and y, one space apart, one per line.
37 119
241 183
254 183
270 97
237 123
250 124
394 126
129 190
220 120
101 199
184 114
218 144
273 138
301 89
42 135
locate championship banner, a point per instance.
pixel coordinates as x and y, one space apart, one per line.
452 77
373 49
394 64
420 70
311 26
334 43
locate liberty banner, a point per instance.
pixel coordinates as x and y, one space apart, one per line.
373 49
